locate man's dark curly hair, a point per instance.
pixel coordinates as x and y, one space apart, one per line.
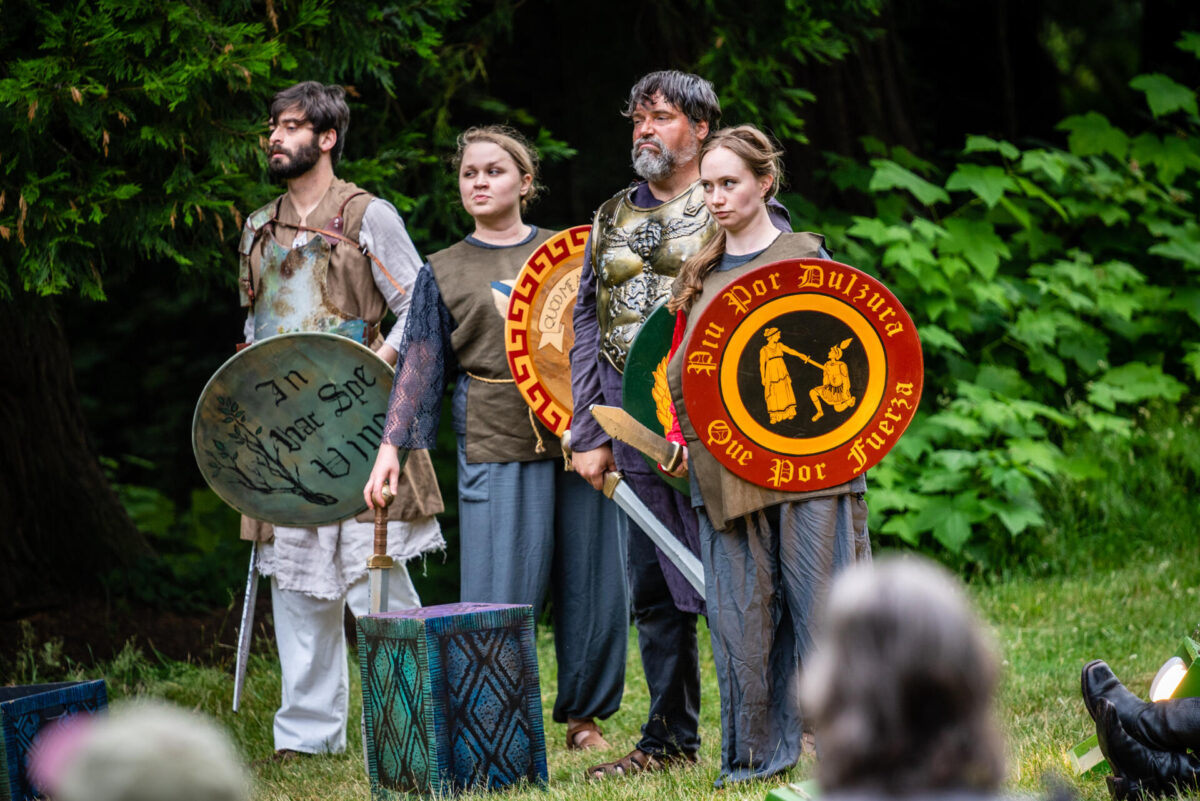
691 94
324 106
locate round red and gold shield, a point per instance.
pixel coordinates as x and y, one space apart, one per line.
539 332
802 374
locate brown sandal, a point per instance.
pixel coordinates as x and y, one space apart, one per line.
638 761
584 735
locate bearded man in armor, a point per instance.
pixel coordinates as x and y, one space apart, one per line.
640 237
327 256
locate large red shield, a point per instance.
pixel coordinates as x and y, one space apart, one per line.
802 374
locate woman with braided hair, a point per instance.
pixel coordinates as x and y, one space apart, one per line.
768 556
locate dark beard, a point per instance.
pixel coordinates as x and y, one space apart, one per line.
301 161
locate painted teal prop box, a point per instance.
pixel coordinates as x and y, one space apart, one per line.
24 711
451 700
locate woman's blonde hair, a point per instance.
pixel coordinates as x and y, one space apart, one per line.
762 157
512 143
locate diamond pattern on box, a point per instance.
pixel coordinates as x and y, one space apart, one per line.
401 754
451 699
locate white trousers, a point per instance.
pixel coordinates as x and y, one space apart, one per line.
313 660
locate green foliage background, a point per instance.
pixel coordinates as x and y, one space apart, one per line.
1053 282
1055 294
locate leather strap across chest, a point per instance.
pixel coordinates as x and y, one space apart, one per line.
336 223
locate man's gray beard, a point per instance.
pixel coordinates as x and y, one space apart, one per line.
652 166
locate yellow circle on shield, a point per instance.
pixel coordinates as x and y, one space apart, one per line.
754 324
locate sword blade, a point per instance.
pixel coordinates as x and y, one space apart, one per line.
377 589
246 629
624 496
620 424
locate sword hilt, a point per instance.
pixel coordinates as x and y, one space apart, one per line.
611 480
379 556
676 459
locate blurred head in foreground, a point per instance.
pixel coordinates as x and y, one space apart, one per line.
151 752
901 683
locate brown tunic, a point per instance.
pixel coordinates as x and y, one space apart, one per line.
499 425
727 497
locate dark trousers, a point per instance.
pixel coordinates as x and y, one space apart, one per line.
667 641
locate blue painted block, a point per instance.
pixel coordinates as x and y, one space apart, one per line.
24 710
451 699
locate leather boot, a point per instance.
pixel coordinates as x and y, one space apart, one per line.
1172 725
1141 771
1122 789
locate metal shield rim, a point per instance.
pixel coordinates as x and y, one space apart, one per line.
220 370
511 320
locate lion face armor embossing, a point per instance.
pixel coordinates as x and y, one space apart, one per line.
636 253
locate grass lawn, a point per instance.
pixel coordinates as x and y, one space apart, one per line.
1047 628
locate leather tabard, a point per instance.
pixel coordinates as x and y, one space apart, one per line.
500 427
323 285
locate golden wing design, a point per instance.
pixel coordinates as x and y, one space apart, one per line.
662 396
682 227
616 237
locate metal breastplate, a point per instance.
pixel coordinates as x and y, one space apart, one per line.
291 294
637 253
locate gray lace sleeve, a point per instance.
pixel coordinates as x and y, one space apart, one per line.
425 365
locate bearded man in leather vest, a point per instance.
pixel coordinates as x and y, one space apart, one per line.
327 256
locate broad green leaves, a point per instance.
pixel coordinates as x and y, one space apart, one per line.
983 144
988 182
1054 293
1164 95
1091 134
1133 383
890 175
977 242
